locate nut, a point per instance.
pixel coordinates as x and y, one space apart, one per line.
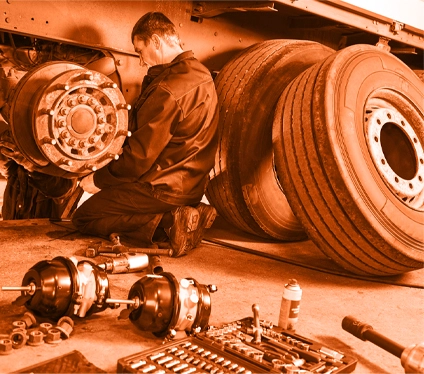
5 346
45 327
19 324
35 338
28 319
53 336
18 338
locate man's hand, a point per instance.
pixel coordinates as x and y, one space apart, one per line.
9 149
87 184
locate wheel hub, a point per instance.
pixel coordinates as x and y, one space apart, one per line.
397 153
69 117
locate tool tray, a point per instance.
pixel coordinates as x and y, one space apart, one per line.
231 348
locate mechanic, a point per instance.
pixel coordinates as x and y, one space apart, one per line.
151 196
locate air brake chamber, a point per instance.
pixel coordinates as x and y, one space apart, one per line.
68 120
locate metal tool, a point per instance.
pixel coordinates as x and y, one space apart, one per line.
129 262
411 358
99 248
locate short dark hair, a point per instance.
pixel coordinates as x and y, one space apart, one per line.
154 23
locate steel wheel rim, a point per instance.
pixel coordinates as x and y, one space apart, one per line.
388 119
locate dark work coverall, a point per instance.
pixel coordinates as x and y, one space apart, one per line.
167 160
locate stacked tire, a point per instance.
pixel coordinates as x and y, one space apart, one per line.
324 143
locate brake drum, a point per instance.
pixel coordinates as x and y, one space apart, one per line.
68 120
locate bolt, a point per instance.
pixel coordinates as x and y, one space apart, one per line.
91 139
82 144
35 338
87 76
47 140
112 156
61 86
123 133
109 85
124 106
50 112
5 346
65 161
91 167
71 102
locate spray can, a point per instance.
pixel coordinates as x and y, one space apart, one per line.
290 303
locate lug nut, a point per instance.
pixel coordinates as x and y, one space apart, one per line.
45 327
29 319
53 336
5 346
65 325
35 338
18 338
19 324
64 111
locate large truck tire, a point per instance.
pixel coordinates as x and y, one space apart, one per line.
244 187
348 139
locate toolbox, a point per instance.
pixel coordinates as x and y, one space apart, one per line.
243 348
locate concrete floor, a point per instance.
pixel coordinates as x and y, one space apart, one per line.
242 280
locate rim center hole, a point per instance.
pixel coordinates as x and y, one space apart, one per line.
398 151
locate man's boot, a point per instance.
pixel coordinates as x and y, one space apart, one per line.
186 221
207 215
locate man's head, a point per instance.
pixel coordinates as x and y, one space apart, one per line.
155 39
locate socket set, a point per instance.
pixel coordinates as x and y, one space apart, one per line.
240 347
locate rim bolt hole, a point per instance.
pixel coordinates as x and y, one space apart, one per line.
389 116
376 138
396 179
420 178
383 161
415 140
402 123
411 186
378 121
